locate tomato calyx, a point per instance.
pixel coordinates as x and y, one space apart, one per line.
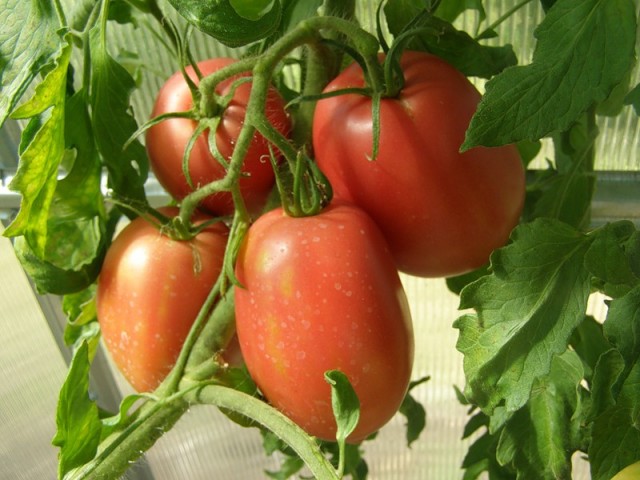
304 189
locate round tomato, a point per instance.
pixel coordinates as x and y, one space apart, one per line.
150 290
322 293
443 212
166 141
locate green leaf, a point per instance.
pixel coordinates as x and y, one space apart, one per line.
77 418
220 20
539 440
449 10
615 102
252 9
457 283
566 191
414 413
584 49
28 42
526 311
113 124
622 327
82 321
481 456
442 39
607 259
75 242
528 150
345 403
289 467
589 342
41 152
119 420
615 434
633 99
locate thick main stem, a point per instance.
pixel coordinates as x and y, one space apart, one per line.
123 448
251 407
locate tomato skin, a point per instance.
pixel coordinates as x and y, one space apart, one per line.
166 142
322 293
442 212
149 294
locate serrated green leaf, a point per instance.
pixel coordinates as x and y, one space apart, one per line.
526 311
41 152
77 416
607 260
75 234
440 38
220 20
539 440
113 124
28 42
633 99
583 51
615 434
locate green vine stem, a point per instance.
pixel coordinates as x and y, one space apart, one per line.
118 451
304 445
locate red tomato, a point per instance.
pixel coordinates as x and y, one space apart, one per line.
150 290
166 142
322 293
442 212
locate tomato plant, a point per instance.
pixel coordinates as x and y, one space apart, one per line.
150 290
321 293
166 141
419 159
443 212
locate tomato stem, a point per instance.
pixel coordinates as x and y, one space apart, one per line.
304 445
118 451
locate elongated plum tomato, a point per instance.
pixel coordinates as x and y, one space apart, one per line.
321 293
166 141
150 290
443 212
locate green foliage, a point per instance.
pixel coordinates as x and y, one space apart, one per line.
111 87
584 49
41 152
437 36
77 418
544 380
234 23
28 42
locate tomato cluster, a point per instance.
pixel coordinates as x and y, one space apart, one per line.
320 292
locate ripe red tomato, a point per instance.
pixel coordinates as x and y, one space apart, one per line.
321 293
166 141
150 290
442 212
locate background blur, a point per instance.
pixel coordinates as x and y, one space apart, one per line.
204 444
